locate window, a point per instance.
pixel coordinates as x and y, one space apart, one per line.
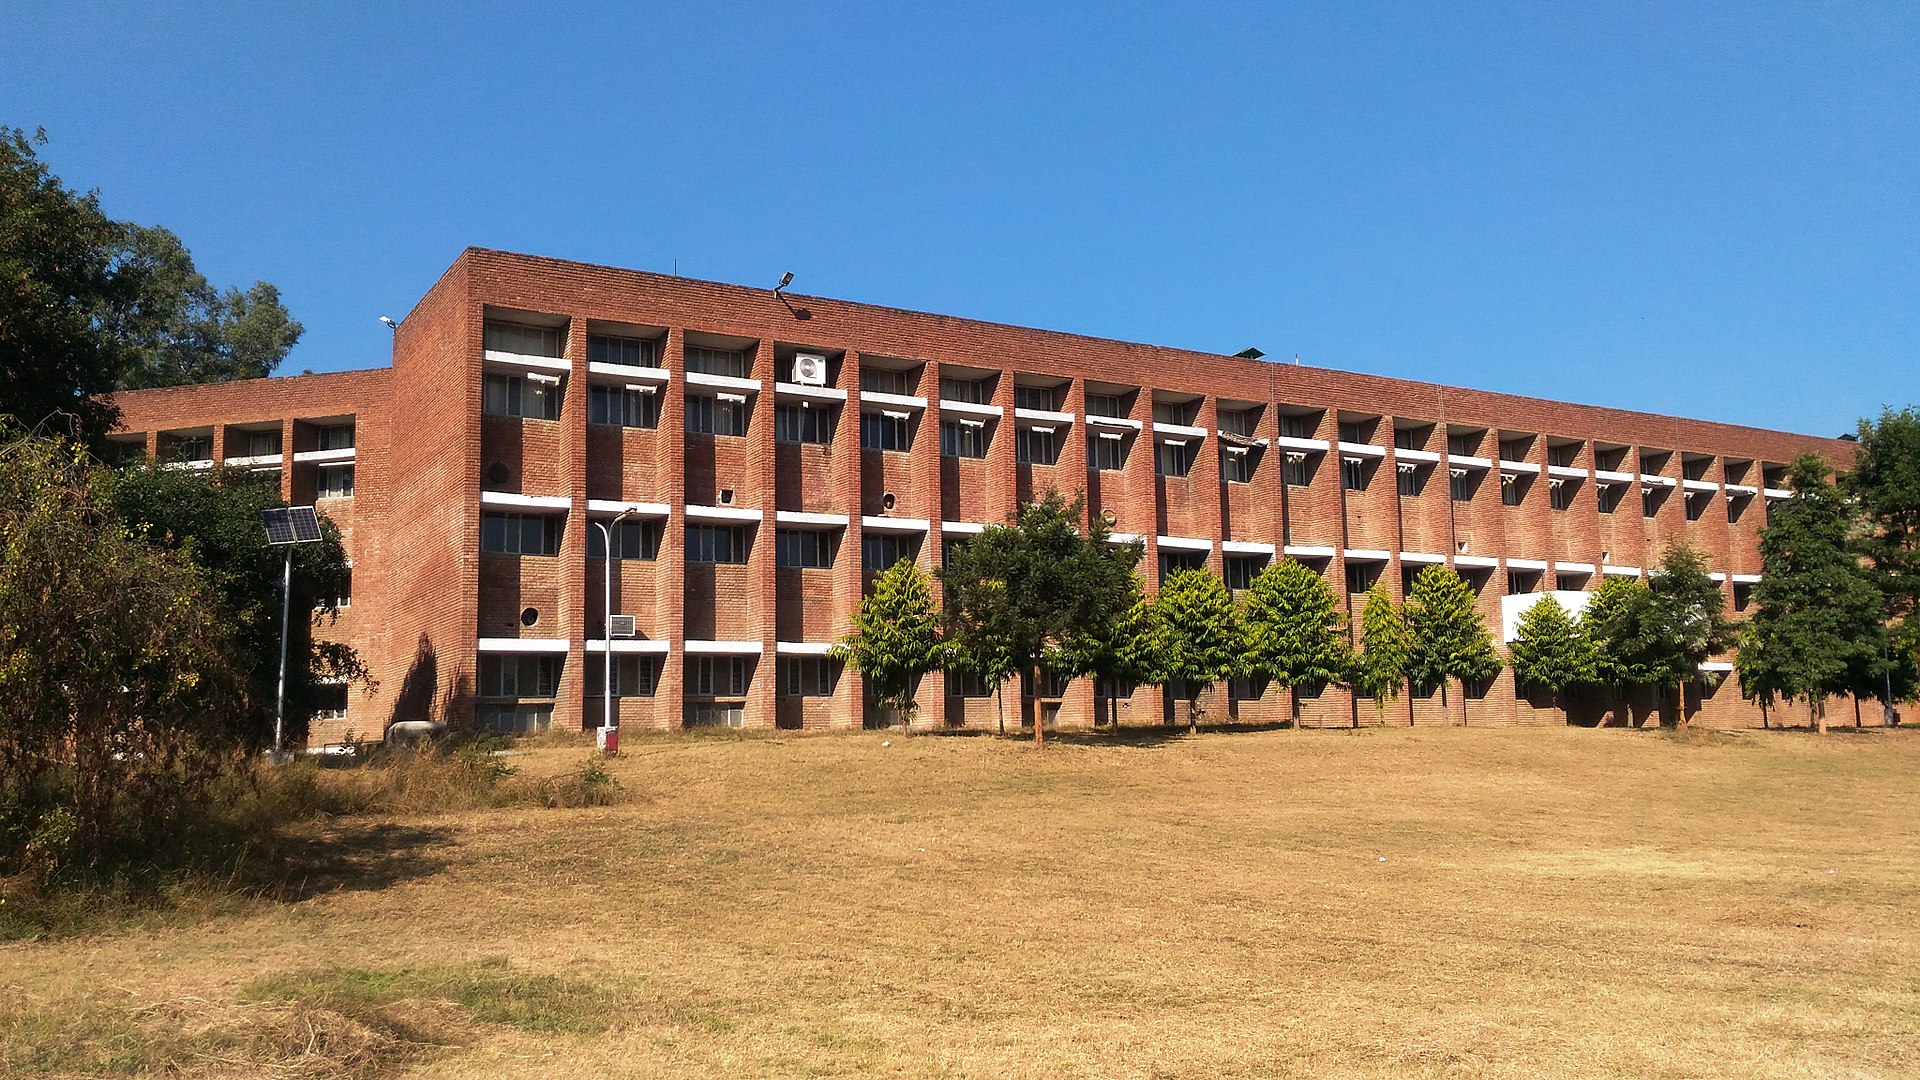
1412 481
331 437
879 551
343 598
1463 444
1299 425
1354 431
886 381
1108 688
1107 451
1042 398
805 549
1173 458
1522 582
1406 438
1513 449
1236 465
1574 582
524 340
1460 485
193 448
966 684
1742 595
625 351
717 544
972 391
806 676
1106 405
715 416
633 676
950 547
1298 471
1361 576
534 397
1172 562
800 424
1559 494
1247 687
1609 495
1178 413
718 676
263 443
963 438
1649 501
1052 684
520 534
1353 474
1563 455
515 719
1239 422
714 714
1510 491
732 363
517 676
330 701
333 482
1036 446
1697 505
623 406
1242 569
886 431
631 540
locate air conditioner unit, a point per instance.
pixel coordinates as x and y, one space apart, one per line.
623 626
810 369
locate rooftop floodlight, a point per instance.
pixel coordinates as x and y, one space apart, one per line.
1249 353
391 325
287 527
786 279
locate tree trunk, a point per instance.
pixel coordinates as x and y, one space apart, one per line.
1680 721
1000 704
1856 712
1039 722
1445 709
1193 714
1820 715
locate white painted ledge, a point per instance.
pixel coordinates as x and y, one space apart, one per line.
544 646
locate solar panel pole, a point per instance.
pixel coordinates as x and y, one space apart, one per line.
280 695
609 742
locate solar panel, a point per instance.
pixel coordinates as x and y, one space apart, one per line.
291 525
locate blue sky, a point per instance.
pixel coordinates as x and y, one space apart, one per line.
1706 209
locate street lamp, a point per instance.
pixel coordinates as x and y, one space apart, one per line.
608 740
287 527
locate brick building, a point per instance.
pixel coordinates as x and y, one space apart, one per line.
769 452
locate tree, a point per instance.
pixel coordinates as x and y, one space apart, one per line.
213 519
1447 637
1885 485
1685 621
91 304
1295 631
1198 639
896 637
117 679
1613 621
1127 653
1380 668
1039 587
1551 650
1817 626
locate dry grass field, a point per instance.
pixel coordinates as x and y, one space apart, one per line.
1549 902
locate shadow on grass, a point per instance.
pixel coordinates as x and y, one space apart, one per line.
353 858
1142 736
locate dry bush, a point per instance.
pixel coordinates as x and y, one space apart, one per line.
466 777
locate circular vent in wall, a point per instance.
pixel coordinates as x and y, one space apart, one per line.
886 501
498 473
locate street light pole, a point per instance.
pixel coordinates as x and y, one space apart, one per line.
280 694
606 625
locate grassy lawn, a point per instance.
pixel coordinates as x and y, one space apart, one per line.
1535 902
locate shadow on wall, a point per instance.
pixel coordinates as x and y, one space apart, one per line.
415 699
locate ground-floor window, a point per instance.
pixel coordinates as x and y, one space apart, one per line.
714 714
806 676
516 719
633 676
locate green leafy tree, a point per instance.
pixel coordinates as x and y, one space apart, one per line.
91 304
1817 626
213 519
1885 485
1127 653
1039 588
117 680
1448 638
1198 639
1551 649
1613 622
896 637
1380 668
1295 632
1685 621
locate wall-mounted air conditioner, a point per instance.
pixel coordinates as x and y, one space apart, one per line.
623 626
810 369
